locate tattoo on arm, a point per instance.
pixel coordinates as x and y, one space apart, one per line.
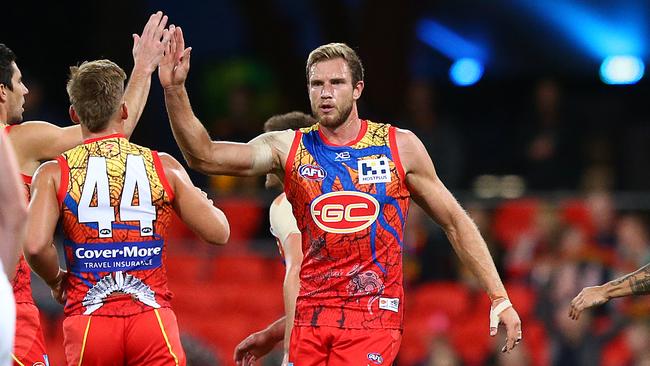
640 281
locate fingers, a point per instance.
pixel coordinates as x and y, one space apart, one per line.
180 39
185 59
577 305
136 40
161 27
493 331
166 36
249 360
151 25
514 335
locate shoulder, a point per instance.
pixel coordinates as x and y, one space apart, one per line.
412 151
167 160
407 140
46 171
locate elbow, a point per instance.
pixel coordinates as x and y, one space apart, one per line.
31 250
220 234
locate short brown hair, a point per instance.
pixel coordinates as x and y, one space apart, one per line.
96 89
292 120
337 50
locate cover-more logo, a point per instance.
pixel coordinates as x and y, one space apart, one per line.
344 212
312 172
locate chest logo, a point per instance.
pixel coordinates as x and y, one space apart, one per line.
344 212
374 171
312 172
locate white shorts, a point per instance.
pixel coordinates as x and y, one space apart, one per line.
7 320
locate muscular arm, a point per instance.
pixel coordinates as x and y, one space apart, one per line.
428 191
196 210
636 283
44 212
292 247
14 208
264 154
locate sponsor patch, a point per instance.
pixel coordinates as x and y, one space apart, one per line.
312 172
342 156
112 257
375 358
344 212
374 171
390 304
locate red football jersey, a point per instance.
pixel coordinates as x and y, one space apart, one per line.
116 207
350 203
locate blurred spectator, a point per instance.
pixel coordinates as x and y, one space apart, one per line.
440 137
441 353
547 144
197 352
633 243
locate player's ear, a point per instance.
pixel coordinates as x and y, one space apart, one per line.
3 93
358 88
73 115
124 110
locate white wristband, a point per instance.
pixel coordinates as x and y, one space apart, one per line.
496 311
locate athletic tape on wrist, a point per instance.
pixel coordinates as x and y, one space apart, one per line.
496 311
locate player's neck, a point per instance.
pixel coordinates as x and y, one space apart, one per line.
111 129
344 133
3 116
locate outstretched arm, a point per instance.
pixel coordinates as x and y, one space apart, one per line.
193 206
428 191
259 343
14 208
37 141
44 212
261 155
635 283
147 52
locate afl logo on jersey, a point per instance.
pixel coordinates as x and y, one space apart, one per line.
344 212
312 172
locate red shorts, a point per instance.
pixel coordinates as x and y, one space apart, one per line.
29 345
320 346
150 338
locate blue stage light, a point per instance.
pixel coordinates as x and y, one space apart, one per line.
466 71
621 70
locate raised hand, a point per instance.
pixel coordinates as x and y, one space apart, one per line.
148 49
58 290
252 348
588 297
502 312
175 64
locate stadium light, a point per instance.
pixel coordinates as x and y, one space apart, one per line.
621 70
466 72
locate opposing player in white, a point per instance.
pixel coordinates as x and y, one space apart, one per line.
12 230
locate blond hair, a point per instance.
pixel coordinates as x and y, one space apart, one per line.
96 89
337 50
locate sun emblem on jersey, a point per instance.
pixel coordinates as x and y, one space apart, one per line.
128 284
367 282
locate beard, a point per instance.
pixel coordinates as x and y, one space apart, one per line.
336 119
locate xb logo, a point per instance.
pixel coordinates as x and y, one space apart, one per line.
342 156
